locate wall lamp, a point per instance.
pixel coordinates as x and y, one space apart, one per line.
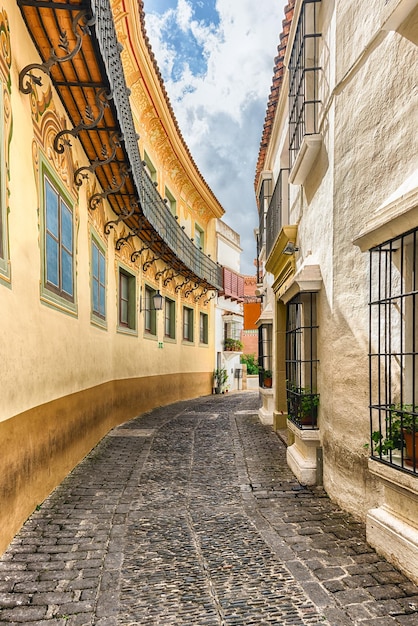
157 300
290 248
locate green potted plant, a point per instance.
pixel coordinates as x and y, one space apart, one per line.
302 404
232 345
220 376
400 430
267 378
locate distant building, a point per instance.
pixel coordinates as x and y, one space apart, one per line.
229 307
252 309
337 190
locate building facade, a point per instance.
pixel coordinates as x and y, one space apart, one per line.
337 190
104 220
229 310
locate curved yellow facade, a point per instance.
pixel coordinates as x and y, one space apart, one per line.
82 347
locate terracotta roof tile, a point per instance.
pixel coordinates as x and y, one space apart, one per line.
278 73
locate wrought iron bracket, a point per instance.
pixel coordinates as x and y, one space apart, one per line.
137 253
95 200
82 21
189 291
183 284
114 143
215 293
102 102
170 278
124 215
161 273
204 292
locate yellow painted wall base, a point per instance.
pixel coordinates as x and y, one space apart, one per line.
42 445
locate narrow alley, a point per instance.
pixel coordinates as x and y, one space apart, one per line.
188 515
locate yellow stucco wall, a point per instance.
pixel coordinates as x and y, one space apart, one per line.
65 379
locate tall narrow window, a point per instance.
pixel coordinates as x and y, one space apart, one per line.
170 318
203 328
150 312
127 300
171 202
304 78
98 280
199 237
265 355
59 243
187 324
393 348
302 360
149 168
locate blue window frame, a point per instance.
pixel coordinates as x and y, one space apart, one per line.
98 280
59 243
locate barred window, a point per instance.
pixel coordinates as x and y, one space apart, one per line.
304 78
393 348
302 360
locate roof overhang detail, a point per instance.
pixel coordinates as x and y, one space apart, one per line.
86 70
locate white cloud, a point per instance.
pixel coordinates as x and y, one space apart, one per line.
221 112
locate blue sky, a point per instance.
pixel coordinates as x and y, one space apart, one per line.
216 58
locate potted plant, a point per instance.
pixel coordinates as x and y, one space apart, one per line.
400 431
267 378
302 403
232 345
220 376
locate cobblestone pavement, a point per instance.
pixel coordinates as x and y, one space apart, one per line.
188 515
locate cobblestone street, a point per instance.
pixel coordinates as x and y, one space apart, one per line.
188 515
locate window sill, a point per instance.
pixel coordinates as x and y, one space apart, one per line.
394 474
127 331
305 160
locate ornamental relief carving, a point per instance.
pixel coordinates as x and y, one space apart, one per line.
5 48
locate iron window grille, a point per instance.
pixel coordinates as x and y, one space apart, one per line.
264 198
302 360
393 350
304 71
278 210
265 354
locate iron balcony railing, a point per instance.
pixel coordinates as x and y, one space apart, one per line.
278 211
152 204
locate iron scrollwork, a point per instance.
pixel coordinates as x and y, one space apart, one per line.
114 143
82 21
102 102
95 200
214 294
203 293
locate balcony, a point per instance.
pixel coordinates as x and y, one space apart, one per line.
278 210
90 75
233 285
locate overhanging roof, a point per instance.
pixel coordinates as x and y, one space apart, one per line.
86 71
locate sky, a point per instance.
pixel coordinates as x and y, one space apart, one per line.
217 58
